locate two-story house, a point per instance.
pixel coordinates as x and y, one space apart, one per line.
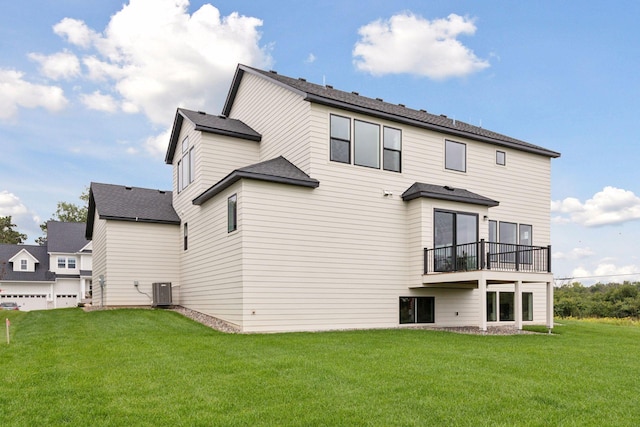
54 275
303 207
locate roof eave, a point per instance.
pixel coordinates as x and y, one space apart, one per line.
145 220
450 198
236 176
250 137
358 109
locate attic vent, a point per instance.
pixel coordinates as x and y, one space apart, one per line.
329 86
127 188
222 116
273 72
302 79
402 105
161 192
379 99
446 187
443 115
423 110
201 112
355 93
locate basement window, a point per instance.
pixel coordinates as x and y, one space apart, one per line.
417 310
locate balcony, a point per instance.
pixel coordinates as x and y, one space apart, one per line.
488 256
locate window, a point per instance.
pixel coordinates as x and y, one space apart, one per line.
186 236
340 139
493 231
506 306
23 264
232 213
455 156
417 310
62 262
186 166
71 263
453 231
491 307
366 145
501 158
525 238
392 149
527 306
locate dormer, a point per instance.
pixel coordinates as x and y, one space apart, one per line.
24 262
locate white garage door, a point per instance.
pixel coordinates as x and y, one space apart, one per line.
27 302
63 301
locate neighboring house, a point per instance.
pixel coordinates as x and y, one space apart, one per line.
302 207
54 275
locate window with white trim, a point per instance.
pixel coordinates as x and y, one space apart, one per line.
455 156
232 213
366 144
186 166
71 263
24 264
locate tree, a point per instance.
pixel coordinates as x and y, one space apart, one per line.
67 212
8 234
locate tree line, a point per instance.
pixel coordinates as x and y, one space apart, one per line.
618 300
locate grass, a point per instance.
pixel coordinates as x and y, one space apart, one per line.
156 368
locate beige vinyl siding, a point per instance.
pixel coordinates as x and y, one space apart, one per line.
279 115
212 266
309 265
142 252
99 257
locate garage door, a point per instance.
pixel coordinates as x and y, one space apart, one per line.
28 302
63 301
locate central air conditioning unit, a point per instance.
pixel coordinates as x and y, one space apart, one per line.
162 294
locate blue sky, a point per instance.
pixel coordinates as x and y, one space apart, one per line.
88 91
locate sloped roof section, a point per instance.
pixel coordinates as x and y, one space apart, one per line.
41 273
451 194
354 102
120 203
67 237
278 170
209 123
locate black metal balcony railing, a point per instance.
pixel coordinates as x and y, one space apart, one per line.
488 256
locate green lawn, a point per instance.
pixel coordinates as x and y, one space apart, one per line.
156 368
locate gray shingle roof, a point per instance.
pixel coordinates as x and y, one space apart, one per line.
66 237
350 101
117 202
440 192
42 273
278 170
210 123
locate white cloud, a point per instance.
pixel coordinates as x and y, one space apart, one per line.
75 32
157 57
99 101
61 65
610 206
406 43
607 272
157 145
574 254
11 205
310 59
17 92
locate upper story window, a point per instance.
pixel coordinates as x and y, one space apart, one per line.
71 263
186 166
501 158
23 264
186 236
367 148
455 156
366 144
62 262
232 213
340 139
392 143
